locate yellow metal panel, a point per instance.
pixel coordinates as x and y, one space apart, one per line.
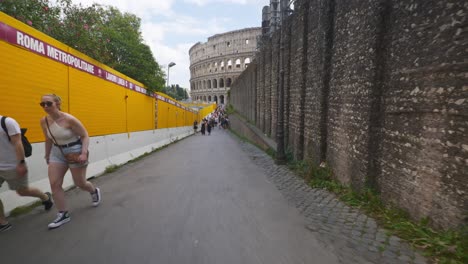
103 107
100 105
26 76
140 111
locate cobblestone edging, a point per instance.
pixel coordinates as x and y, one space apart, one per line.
355 237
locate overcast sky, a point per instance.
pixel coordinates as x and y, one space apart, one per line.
171 27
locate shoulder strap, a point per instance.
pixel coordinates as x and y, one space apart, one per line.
52 135
48 128
4 127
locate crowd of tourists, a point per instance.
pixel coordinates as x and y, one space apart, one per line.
218 118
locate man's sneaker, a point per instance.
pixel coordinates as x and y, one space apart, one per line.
48 203
62 218
5 227
96 196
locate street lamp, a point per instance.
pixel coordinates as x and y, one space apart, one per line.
168 67
285 11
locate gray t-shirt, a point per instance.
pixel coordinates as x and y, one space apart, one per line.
7 151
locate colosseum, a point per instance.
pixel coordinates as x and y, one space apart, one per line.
215 64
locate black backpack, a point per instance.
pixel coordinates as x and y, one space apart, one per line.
26 145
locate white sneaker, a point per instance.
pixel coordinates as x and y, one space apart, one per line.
62 218
96 196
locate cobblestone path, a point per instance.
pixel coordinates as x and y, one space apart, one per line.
355 236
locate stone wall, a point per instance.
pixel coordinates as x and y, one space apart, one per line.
379 91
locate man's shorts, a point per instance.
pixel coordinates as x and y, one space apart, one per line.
56 156
14 182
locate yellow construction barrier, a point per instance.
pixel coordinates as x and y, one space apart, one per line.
106 101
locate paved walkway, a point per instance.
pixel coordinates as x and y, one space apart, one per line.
205 199
355 237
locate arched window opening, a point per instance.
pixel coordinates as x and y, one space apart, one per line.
229 64
246 62
193 86
228 82
215 83
222 65
221 83
215 99
209 84
247 42
221 99
238 63
209 98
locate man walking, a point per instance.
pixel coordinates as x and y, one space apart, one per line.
13 168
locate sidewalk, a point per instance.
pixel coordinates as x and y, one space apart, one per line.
200 200
205 199
355 237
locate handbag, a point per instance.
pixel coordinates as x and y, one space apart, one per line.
72 157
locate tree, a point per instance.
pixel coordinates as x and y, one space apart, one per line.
38 14
101 32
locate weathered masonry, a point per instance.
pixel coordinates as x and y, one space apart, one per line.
215 64
376 89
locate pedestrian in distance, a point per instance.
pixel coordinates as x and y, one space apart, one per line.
195 126
208 127
14 169
203 126
65 136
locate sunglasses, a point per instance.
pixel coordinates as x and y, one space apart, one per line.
44 104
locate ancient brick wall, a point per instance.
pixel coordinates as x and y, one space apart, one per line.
260 90
353 71
379 91
318 56
274 83
424 162
296 88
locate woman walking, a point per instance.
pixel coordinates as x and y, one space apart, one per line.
65 137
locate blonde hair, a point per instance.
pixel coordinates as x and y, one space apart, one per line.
56 98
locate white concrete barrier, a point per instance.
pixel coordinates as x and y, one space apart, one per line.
105 151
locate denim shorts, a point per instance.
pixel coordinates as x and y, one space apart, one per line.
56 156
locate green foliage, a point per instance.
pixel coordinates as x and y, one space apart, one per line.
101 32
20 210
38 14
271 152
449 246
230 109
176 92
112 168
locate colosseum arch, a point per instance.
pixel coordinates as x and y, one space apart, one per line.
209 98
215 99
208 60
238 63
246 62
